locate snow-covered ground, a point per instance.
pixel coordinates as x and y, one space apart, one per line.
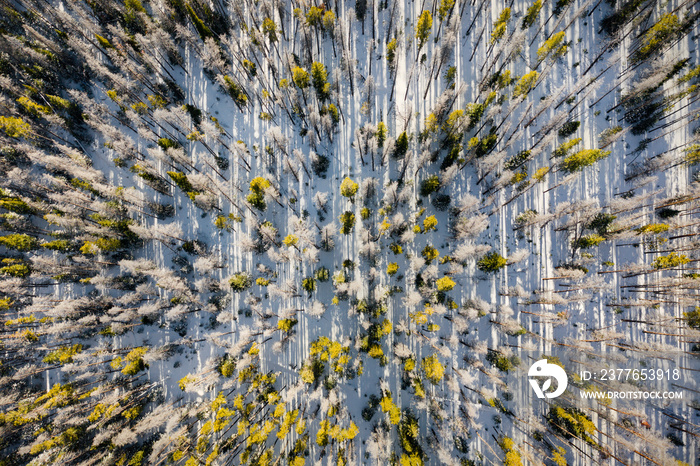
622 313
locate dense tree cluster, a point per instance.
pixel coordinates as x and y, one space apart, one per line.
266 232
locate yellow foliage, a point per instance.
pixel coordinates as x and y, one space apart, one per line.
445 284
218 402
14 127
411 460
499 27
409 365
525 84
387 405
300 427
307 374
431 123
554 47
376 351
132 413
430 223
348 187
185 381
97 412
433 369
291 240
540 174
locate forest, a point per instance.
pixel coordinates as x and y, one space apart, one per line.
306 232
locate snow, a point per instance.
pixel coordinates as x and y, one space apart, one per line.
566 313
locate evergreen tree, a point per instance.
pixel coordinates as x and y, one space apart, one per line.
531 14
19 242
348 188
347 222
491 262
300 77
423 28
319 78
582 159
